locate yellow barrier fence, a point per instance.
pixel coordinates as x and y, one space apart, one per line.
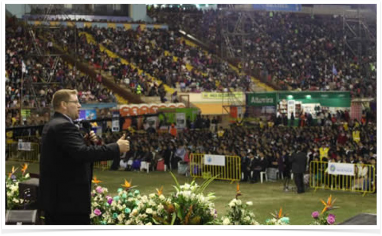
103 164
224 167
358 177
23 151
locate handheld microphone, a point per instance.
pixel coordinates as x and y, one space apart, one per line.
87 126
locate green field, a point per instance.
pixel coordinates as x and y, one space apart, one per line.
267 197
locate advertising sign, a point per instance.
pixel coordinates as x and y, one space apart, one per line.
214 160
341 169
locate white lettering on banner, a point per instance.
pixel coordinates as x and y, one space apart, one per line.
214 160
341 169
261 100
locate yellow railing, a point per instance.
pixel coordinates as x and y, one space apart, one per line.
230 171
20 153
103 164
361 180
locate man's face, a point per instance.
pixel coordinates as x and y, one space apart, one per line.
73 107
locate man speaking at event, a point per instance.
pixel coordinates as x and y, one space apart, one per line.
66 163
298 161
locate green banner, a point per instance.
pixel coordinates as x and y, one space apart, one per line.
261 99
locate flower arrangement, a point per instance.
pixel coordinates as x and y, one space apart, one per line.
278 218
12 186
188 206
106 209
324 218
238 214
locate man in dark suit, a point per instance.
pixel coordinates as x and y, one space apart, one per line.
66 163
298 161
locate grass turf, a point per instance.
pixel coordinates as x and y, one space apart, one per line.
267 197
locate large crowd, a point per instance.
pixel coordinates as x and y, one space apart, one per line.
344 141
294 51
41 76
154 50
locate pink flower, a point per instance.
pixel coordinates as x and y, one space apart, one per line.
99 189
315 214
331 219
97 212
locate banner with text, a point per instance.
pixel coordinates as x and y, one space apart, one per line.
214 160
277 7
221 95
261 99
341 169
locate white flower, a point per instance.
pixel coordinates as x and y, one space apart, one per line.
161 197
120 217
92 215
16 200
144 199
249 203
14 188
128 222
247 218
149 211
130 199
232 203
186 186
152 203
134 212
152 195
9 194
113 204
160 207
201 198
149 223
238 202
187 194
94 204
226 221
27 175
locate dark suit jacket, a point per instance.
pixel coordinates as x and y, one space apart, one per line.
298 161
66 167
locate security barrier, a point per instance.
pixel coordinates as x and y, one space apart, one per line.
103 164
224 167
23 151
359 177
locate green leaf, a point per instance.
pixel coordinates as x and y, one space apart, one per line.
173 218
176 181
205 184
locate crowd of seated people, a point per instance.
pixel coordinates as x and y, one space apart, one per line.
37 71
295 51
345 141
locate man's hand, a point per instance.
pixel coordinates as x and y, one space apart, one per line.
123 144
91 138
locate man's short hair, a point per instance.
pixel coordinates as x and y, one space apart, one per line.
61 96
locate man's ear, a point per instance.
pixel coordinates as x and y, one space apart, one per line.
63 105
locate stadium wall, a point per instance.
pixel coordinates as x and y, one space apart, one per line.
18 10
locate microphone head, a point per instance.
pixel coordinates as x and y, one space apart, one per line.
86 125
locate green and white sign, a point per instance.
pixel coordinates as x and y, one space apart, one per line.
261 99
